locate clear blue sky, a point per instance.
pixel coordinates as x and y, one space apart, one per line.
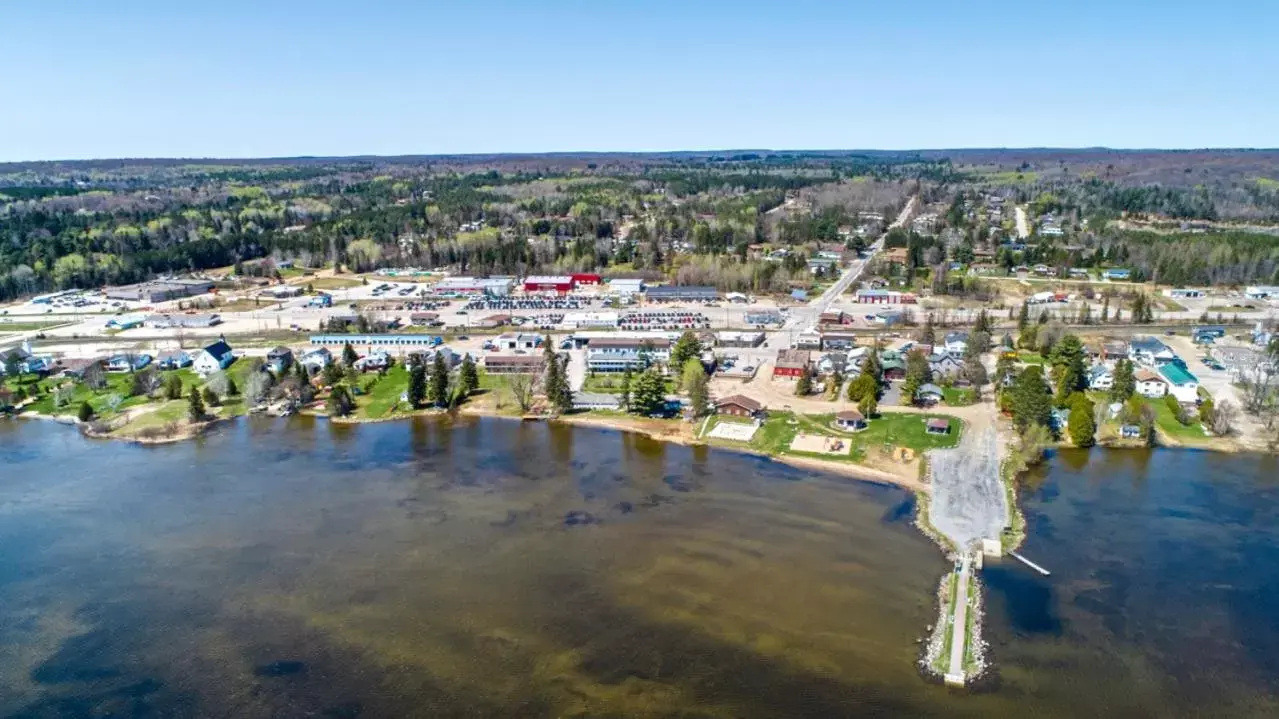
229 78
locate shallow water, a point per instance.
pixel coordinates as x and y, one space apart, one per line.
491 568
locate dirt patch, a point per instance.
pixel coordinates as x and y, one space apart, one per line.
820 444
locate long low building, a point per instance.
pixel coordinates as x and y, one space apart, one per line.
159 290
494 286
376 340
514 364
885 297
618 354
184 321
676 293
744 340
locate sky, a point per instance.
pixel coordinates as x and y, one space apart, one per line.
138 78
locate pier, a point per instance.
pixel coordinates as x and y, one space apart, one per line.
959 627
1029 563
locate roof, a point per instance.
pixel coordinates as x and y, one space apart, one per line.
513 359
938 423
1147 344
741 401
1177 374
1098 370
678 290
624 342
956 337
219 349
850 415
929 388
548 280
792 358
279 352
1145 375
597 398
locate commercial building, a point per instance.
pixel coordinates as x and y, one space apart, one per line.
1261 292
558 284
492 286
1184 293
885 297
184 321
739 339
514 364
675 293
762 317
626 288
739 406
159 290
838 340
791 363
377 340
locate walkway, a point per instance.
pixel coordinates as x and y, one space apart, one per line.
959 627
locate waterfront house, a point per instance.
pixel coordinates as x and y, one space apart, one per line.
316 360
596 401
213 358
739 406
373 361
937 425
1150 384
1181 384
175 359
1100 377
279 359
850 420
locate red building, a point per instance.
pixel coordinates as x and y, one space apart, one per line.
790 363
559 284
586 279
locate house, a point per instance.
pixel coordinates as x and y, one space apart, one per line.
373 361
838 340
808 340
945 364
1181 384
937 425
929 394
214 358
128 363
422 319
1100 377
75 368
520 341
1113 351
279 359
1150 351
832 362
850 420
791 363
956 343
1150 384
596 400
514 364
739 406
1116 273
1184 293
316 360
822 265
894 367
176 359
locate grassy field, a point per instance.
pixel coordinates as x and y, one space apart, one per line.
888 430
383 397
333 283
1009 177
26 326
1167 423
1030 357
612 384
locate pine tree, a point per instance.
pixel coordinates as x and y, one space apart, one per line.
804 386
1124 384
417 384
873 367
698 395
439 386
868 405
686 347
468 376
928 335
1081 425
649 393
625 397
1023 317
173 387
1068 355
349 356
195 405
1030 399
232 389
1105 310
341 401
918 374
210 398
85 412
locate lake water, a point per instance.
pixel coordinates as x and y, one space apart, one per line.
282 568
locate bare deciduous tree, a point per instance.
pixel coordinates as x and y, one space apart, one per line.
522 387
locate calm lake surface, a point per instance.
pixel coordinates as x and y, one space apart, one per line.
282 568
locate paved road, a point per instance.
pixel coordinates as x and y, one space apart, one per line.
576 369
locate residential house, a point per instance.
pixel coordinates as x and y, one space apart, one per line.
1150 351
791 363
937 425
1116 273
373 361
1181 384
739 406
956 343
832 362
76 368
128 362
850 420
1100 377
929 394
316 360
1150 384
214 358
175 359
894 366
1114 351
596 400
945 364
838 340
279 359
808 340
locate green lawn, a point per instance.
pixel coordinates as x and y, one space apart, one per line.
26 326
384 395
889 429
332 283
959 396
1030 357
1167 422
612 384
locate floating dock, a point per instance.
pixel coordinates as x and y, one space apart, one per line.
1030 564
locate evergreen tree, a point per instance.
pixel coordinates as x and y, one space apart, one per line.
698 395
804 386
648 395
868 405
983 323
349 356
85 413
1081 425
1030 401
173 387
468 376
861 386
341 401
1068 360
1105 310
439 386
625 396
195 405
1023 317
686 347
928 335
918 374
210 398
232 389
1125 383
332 373
872 366
417 384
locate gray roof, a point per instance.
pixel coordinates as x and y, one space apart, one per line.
929 388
